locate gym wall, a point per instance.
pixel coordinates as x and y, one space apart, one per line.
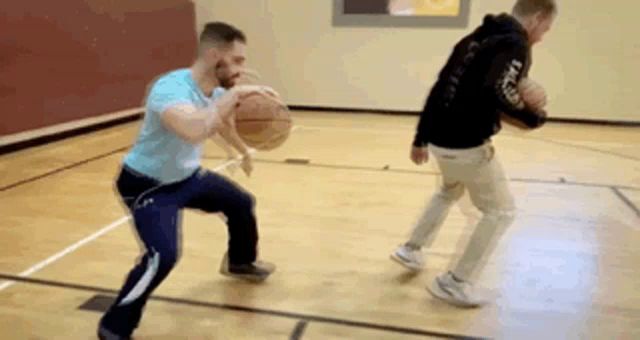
77 59
589 62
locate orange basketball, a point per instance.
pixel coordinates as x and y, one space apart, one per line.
262 123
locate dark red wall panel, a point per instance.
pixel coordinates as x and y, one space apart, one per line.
72 59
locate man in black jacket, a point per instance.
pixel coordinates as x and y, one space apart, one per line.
483 83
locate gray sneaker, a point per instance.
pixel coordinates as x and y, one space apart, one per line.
456 292
411 258
257 271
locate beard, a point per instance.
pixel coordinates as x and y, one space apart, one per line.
226 79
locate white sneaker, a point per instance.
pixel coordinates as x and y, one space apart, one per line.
409 257
457 293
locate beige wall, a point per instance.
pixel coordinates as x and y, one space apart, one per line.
590 62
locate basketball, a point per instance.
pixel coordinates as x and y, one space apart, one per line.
534 96
262 123
527 84
532 93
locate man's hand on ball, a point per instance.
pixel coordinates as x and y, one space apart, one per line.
247 163
532 93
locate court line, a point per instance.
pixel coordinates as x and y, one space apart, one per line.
588 148
326 127
386 168
504 134
626 200
335 166
64 168
38 266
65 251
237 308
563 181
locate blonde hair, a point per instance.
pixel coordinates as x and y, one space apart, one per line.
525 8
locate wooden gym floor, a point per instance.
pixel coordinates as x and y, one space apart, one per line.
567 268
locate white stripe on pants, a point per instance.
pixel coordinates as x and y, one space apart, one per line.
481 173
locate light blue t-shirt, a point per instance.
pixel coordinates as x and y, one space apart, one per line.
158 152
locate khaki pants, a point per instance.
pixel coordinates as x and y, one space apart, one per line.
479 171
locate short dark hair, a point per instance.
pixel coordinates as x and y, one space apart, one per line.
221 33
530 7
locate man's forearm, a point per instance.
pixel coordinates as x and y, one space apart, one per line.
223 144
231 136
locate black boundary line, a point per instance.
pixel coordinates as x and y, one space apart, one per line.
578 184
100 126
554 120
565 144
352 110
64 168
57 136
328 166
236 308
605 122
92 128
299 330
386 168
415 113
332 166
588 148
626 200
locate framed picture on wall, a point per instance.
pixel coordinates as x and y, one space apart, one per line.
402 13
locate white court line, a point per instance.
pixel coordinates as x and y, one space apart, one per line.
66 251
39 266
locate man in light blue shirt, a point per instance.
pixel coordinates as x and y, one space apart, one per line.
161 175
159 153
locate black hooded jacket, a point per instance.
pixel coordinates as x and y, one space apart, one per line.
477 85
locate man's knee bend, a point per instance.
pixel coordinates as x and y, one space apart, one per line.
508 215
507 210
166 260
246 201
451 192
504 215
